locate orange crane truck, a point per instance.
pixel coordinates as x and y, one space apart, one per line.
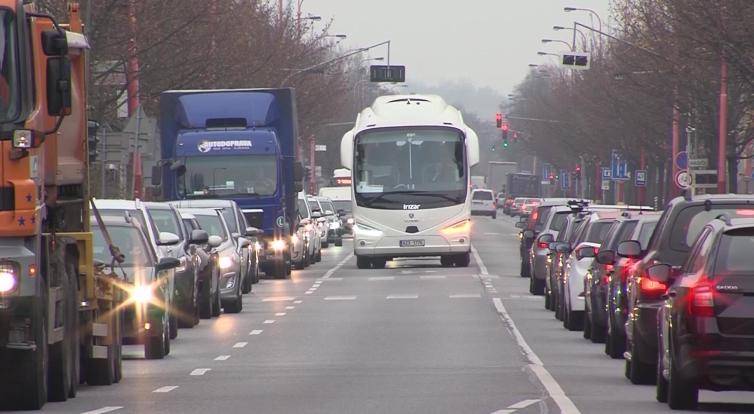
59 314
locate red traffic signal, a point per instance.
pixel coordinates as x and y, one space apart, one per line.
499 120
505 127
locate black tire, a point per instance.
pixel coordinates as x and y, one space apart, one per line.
246 284
536 286
560 307
234 305
379 263
548 300
325 244
173 325
682 393
446 261
573 321
339 242
363 262
587 324
118 348
187 319
640 373
661 387
462 260
217 305
614 347
494 215
29 390
205 300
255 272
61 363
155 346
599 335
101 371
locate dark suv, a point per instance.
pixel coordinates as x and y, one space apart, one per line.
706 326
678 228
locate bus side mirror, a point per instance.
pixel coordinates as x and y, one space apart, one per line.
59 86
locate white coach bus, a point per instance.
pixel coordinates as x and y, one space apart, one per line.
410 157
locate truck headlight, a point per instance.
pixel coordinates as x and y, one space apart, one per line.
278 245
8 281
142 294
366 231
225 262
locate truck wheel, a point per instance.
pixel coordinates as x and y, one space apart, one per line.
462 260
29 391
363 262
60 356
118 348
155 346
100 371
205 300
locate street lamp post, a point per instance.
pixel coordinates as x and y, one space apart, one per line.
590 11
575 30
545 41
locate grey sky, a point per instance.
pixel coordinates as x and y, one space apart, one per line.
489 42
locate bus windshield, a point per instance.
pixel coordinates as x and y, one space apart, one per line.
229 175
9 92
410 165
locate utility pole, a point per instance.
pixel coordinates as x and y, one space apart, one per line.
723 131
312 165
134 103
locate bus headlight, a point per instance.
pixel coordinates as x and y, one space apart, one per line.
462 227
278 245
225 262
8 281
365 231
142 294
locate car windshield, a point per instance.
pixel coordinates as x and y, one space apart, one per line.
691 220
9 85
734 253
482 195
397 166
166 221
130 242
230 219
344 205
302 208
135 214
328 206
212 225
228 175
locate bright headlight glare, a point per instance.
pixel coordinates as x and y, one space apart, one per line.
366 231
142 294
462 227
7 281
294 239
225 262
278 245
350 221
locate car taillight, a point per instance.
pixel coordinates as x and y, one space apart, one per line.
702 301
543 245
609 268
650 288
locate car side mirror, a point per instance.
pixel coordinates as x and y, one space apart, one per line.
546 238
605 257
214 241
528 234
253 231
199 236
316 214
168 239
341 213
585 252
167 263
630 249
520 225
661 273
562 247
245 243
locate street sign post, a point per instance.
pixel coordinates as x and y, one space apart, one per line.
683 179
564 181
607 174
640 178
698 163
605 185
682 160
618 167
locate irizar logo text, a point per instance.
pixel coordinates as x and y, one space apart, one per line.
412 206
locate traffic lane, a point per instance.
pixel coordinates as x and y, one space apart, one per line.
589 377
198 347
347 348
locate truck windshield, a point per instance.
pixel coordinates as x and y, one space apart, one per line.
423 166
9 92
229 175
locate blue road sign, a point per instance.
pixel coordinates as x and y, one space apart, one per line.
564 180
640 178
682 160
606 173
618 167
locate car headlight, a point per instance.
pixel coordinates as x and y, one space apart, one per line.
225 262
182 266
349 221
366 231
462 227
142 294
278 245
8 281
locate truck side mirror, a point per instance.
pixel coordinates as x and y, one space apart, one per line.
156 176
59 86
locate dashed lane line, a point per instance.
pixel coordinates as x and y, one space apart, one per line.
389 297
268 321
103 410
335 298
279 299
222 358
380 278
240 344
256 332
165 389
290 307
432 277
298 302
200 371
280 314
465 296
338 266
523 404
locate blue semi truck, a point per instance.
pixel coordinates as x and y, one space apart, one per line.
236 145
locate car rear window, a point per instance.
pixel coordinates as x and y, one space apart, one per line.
733 254
559 221
598 230
646 233
691 220
482 195
542 213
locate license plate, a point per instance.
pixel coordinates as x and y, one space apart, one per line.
412 243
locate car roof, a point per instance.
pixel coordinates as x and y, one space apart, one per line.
119 204
186 215
198 211
483 189
157 205
205 203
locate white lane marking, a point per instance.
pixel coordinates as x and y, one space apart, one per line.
332 279
200 371
491 234
307 293
279 299
408 272
465 296
504 411
537 367
478 260
103 410
269 321
380 278
338 266
340 298
222 358
240 344
256 332
432 277
165 389
290 307
523 404
298 302
402 297
280 314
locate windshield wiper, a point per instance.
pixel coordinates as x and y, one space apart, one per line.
371 201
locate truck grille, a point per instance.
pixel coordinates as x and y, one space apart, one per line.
254 218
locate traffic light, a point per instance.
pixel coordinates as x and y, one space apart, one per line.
93 144
505 136
499 120
577 171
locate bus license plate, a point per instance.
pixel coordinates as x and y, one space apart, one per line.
412 243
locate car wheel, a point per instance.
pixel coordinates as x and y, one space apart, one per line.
462 260
640 373
661 389
682 394
548 299
536 286
494 215
446 261
217 305
339 242
173 325
587 324
379 263
154 346
363 262
614 347
205 300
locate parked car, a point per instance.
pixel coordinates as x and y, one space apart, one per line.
334 224
240 233
529 205
540 254
229 258
534 225
678 227
706 323
615 343
138 211
483 203
308 231
208 268
560 250
146 316
318 220
166 219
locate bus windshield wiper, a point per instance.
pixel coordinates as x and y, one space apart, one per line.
371 201
432 194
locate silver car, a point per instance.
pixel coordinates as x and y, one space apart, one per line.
483 203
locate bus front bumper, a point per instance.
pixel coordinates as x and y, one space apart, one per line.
413 246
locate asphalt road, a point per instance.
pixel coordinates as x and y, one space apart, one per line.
413 338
